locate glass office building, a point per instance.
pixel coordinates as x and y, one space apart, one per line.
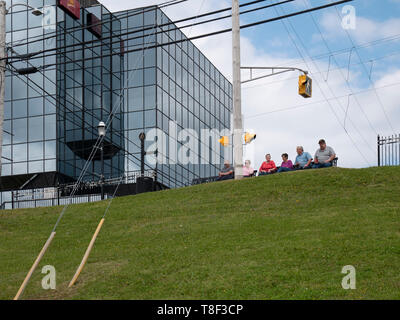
176 83
107 66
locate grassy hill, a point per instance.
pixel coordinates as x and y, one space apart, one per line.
285 236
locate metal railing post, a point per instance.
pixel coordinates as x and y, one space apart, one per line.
379 151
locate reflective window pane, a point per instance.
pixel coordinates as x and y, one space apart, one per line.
20 152
35 151
20 108
20 130
35 128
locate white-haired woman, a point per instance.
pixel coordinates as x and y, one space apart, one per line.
248 171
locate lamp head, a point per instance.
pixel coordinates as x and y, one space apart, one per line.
101 129
37 12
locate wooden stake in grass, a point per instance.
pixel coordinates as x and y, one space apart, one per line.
34 266
87 253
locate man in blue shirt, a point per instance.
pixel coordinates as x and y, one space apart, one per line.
303 159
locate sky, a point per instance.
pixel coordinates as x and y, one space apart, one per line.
355 72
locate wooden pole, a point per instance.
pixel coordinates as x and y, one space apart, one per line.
35 264
87 253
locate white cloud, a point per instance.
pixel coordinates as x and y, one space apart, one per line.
366 29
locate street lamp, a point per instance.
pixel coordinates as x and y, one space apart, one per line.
142 138
3 13
101 128
35 11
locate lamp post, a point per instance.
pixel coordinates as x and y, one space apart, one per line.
101 128
142 137
3 13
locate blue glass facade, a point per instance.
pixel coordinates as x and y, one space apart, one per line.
90 81
171 83
51 116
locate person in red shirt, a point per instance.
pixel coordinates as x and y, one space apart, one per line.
267 167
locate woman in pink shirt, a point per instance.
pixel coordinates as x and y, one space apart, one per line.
248 171
286 165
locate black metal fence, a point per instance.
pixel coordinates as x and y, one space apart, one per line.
37 203
389 150
132 183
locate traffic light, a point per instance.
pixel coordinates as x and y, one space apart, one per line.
305 86
224 141
249 137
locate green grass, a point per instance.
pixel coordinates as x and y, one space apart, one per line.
285 236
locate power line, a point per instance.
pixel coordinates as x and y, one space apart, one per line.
373 84
146 28
138 11
90 42
330 89
346 50
316 102
346 80
323 71
209 34
322 92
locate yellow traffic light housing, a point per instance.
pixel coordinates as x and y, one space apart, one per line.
305 86
249 137
224 141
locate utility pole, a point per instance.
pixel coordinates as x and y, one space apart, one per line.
3 13
237 94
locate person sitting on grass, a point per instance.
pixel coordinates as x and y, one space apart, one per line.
303 159
287 165
248 171
323 156
267 167
226 172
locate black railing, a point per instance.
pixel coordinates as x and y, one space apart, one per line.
133 182
204 180
389 150
50 202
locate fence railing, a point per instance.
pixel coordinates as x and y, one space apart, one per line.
204 180
37 203
85 192
389 150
